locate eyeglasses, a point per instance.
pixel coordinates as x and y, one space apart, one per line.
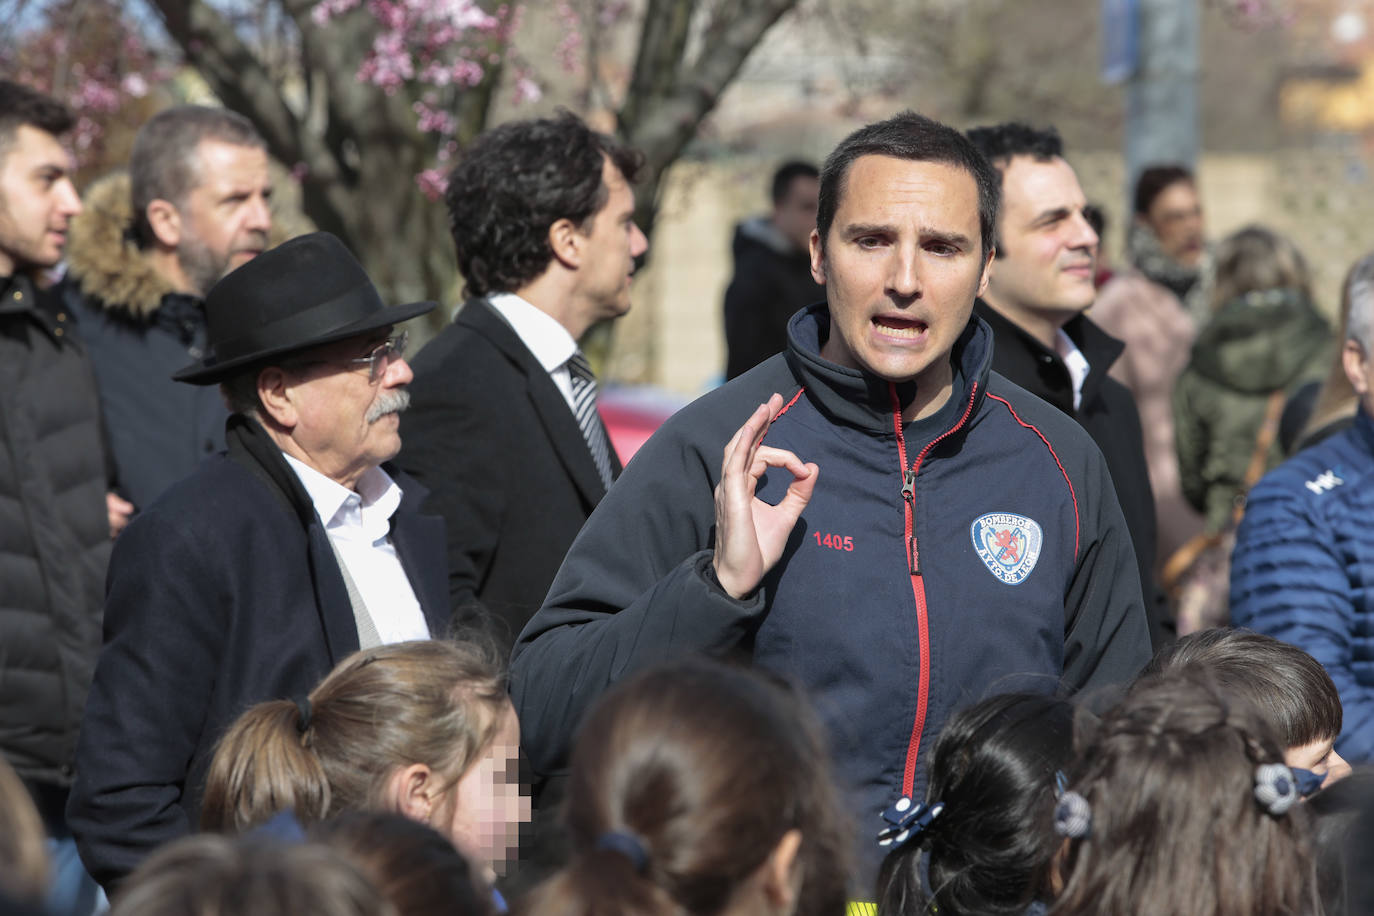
376 360
382 355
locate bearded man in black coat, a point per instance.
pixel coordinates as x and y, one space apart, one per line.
252 578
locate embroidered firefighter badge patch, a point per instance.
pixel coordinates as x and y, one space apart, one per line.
1007 544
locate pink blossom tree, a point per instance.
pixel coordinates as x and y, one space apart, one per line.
368 101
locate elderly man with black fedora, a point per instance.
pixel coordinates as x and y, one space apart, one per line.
253 577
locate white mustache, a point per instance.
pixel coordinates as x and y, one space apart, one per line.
387 402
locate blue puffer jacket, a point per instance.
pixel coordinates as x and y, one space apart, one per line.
978 550
1304 564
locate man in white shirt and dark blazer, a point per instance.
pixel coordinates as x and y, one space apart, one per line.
502 428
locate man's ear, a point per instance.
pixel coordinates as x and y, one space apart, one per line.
817 258
987 270
274 393
567 243
1353 360
165 220
782 872
413 791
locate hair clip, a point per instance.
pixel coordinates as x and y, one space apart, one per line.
1276 789
1061 783
628 845
1073 816
906 820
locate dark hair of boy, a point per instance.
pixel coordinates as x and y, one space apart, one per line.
1288 687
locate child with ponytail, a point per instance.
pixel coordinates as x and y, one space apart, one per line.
423 728
1181 803
697 788
981 844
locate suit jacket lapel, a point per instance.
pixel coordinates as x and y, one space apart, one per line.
420 545
250 447
548 402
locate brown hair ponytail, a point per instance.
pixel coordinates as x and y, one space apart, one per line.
263 765
684 781
433 702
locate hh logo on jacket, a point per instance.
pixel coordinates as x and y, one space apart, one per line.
1008 544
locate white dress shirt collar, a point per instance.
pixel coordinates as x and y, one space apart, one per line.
371 506
1075 362
358 525
548 340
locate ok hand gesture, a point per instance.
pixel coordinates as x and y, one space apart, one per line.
750 534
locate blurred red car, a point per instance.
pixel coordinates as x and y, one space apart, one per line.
632 413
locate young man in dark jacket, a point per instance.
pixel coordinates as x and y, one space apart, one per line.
54 528
1040 285
896 527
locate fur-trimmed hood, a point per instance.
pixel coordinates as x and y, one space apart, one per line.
109 266
103 258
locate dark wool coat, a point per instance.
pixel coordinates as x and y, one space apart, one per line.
492 439
977 550
139 331
1108 412
222 594
54 533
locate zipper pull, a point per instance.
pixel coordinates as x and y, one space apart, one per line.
913 556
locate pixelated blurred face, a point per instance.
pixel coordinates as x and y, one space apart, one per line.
611 244
226 218
901 267
37 201
489 805
1175 217
1321 758
795 214
1046 250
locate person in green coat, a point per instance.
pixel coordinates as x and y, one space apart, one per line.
1264 336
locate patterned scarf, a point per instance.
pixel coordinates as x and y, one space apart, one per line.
1192 285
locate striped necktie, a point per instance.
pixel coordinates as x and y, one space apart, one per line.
584 410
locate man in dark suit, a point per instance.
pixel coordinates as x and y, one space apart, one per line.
503 428
250 579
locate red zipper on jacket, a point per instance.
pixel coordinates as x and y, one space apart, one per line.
918 585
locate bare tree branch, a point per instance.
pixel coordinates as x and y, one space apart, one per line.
664 108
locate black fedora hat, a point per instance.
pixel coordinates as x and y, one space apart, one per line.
303 293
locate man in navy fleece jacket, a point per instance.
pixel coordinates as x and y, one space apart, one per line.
895 526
